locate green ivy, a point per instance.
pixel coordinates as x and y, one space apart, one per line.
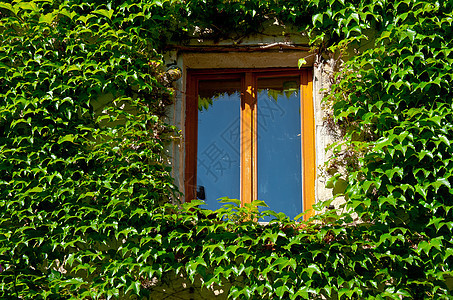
81 146
394 102
85 191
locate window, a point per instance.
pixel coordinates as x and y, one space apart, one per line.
250 135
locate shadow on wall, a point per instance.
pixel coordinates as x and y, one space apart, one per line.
177 287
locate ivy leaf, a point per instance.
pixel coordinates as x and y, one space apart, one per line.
410 34
13 9
134 286
103 12
301 62
47 18
280 291
36 189
112 293
67 138
312 268
28 6
439 182
69 14
317 18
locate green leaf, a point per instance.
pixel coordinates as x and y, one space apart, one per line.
135 286
112 293
13 9
301 62
236 202
299 216
312 268
259 203
103 12
68 14
36 189
47 18
439 182
67 138
280 263
317 18
28 6
411 34
280 291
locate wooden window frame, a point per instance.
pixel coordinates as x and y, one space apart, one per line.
248 120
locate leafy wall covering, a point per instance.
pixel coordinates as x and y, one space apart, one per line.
85 192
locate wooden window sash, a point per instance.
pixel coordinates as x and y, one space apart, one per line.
308 143
248 140
248 119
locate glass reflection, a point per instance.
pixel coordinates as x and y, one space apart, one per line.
218 140
279 144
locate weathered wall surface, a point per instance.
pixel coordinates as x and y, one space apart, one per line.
180 288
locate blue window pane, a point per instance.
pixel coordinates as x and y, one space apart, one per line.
279 145
218 157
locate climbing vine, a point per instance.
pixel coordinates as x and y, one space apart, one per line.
86 194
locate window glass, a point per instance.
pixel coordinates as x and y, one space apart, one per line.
279 144
218 159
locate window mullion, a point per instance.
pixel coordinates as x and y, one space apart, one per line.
248 140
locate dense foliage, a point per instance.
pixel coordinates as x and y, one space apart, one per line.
85 192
